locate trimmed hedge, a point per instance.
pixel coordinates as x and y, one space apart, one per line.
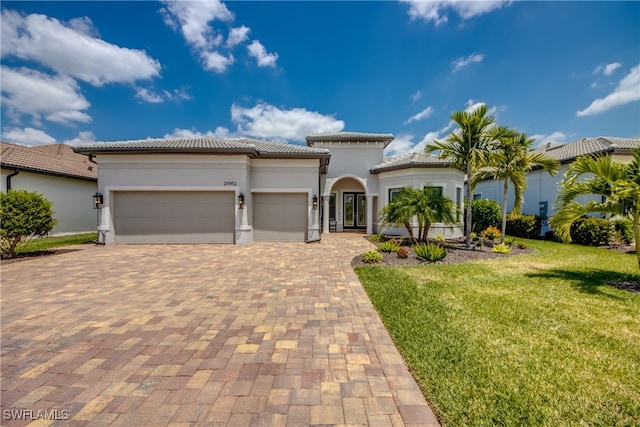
485 213
525 226
591 231
623 229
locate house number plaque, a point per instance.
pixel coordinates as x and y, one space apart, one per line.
230 183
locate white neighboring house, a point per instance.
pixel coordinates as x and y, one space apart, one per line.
542 188
65 178
241 190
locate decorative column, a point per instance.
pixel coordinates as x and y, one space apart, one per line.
325 214
369 214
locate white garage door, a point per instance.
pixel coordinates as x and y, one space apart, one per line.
174 216
280 217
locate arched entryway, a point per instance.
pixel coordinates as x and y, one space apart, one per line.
347 205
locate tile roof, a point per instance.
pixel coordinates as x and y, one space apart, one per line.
210 144
410 160
350 137
569 151
54 159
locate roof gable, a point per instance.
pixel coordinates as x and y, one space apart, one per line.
569 151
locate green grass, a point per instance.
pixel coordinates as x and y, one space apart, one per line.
56 242
529 340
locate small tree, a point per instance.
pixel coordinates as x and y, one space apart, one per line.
486 213
24 215
427 205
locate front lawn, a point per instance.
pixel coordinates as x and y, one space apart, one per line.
47 243
537 339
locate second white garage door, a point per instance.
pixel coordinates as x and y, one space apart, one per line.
174 216
280 217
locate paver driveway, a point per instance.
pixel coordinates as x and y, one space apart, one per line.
263 334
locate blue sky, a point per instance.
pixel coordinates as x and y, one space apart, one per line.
79 72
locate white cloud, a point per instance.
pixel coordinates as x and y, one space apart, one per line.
84 137
237 36
57 98
416 96
268 121
436 10
463 62
192 18
472 105
72 49
217 62
27 136
421 115
176 95
628 90
148 96
401 144
607 69
542 139
258 51
220 132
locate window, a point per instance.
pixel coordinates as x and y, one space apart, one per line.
477 196
393 192
434 189
458 203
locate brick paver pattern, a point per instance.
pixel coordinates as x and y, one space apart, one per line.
266 334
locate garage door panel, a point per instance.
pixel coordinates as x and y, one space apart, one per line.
280 217
174 217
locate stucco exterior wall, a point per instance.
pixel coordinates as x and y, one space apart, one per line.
71 198
447 178
354 159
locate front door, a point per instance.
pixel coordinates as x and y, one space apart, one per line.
355 210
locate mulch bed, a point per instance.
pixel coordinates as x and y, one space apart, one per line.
457 253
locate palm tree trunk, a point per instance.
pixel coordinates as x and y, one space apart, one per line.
409 228
504 209
467 207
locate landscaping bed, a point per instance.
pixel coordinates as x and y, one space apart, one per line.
456 254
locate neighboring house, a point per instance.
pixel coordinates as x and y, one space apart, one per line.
542 188
65 178
240 190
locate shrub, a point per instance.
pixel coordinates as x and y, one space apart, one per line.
403 253
526 226
522 245
388 246
440 239
24 215
501 249
491 233
591 231
378 238
485 213
429 252
623 228
372 256
474 236
509 241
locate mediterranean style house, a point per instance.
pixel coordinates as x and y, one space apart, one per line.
240 190
65 178
542 188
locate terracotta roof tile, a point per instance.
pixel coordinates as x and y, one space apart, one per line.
56 159
569 151
410 160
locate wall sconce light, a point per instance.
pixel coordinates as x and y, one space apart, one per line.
98 200
241 201
315 201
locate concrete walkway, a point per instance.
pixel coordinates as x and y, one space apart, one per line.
267 334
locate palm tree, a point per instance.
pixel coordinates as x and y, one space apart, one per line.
511 161
617 183
427 205
468 150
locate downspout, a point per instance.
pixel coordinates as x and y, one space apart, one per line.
15 172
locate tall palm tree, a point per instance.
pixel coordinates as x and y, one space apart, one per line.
399 211
468 150
511 161
617 183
